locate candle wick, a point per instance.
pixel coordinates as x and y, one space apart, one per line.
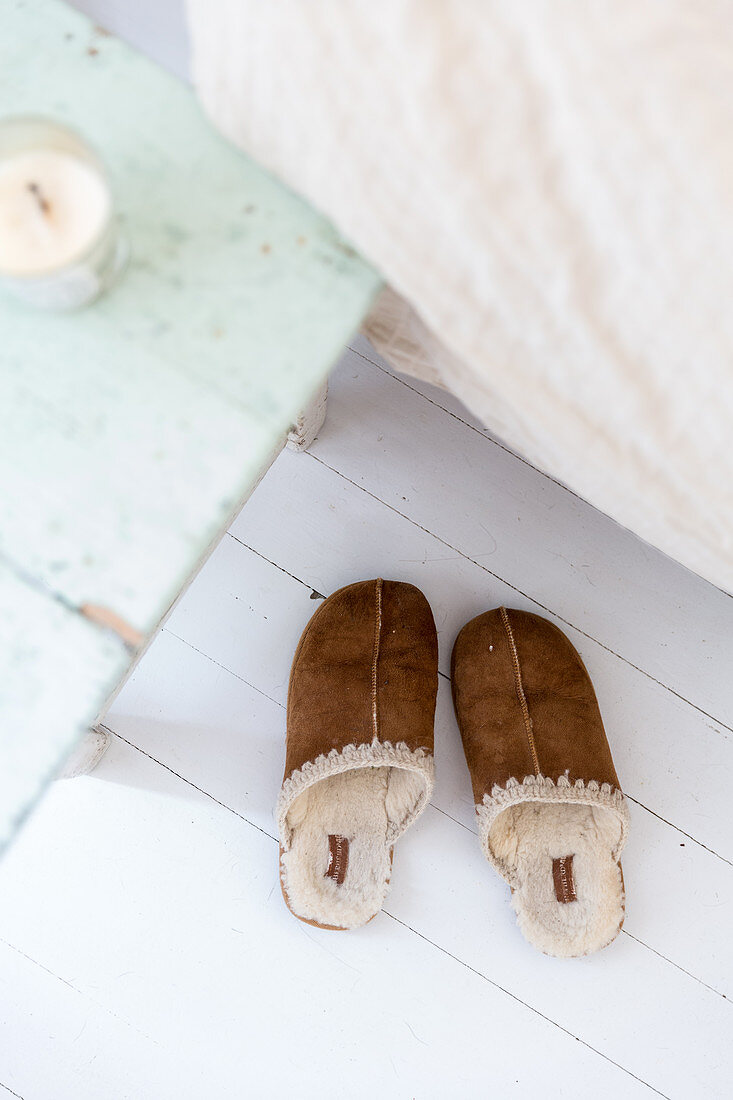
43 203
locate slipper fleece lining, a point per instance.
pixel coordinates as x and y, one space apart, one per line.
527 839
367 807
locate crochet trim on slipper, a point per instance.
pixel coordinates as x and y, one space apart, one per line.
377 754
540 788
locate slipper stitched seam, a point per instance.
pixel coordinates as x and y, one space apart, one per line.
375 658
519 689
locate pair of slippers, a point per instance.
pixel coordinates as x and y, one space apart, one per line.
359 768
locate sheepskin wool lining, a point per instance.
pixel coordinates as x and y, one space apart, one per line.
539 788
365 796
374 755
527 829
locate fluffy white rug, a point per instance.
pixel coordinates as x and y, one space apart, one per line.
548 187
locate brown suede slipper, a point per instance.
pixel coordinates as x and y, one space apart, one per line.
359 767
552 818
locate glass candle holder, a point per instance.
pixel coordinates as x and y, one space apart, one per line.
60 245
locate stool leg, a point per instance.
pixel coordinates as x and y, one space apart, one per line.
309 422
86 755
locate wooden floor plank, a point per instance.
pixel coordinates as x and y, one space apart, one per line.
528 530
162 909
57 1043
229 739
443 887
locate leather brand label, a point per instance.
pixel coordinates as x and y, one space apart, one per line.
562 876
338 858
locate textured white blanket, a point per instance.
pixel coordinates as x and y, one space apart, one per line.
549 185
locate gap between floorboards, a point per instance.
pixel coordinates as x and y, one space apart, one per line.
515 588
274 839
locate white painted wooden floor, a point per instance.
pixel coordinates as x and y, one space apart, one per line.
145 950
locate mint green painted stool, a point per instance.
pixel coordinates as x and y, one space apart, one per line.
132 431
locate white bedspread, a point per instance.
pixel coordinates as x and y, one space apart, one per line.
549 185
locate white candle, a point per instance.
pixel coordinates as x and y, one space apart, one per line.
59 246
53 207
